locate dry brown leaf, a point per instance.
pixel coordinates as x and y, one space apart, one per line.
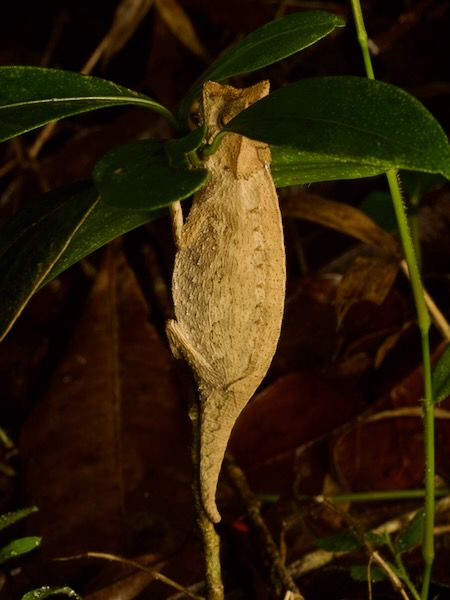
367 279
292 412
340 217
105 452
126 588
389 342
127 18
179 23
383 449
130 577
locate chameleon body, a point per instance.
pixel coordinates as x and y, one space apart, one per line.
229 279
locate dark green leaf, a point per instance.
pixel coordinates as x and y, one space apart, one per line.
441 377
51 234
13 517
361 573
147 174
411 536
102 225
18 547
297 167
267 45
46 592
375 539
346 126
347 541
33 96
32 242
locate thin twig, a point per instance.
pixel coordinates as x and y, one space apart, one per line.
138 566
394 580
253 506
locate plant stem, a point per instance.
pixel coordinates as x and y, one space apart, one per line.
211 548
280 576
210 537
401 568
414 275
362 38
428 408
377 496
424 322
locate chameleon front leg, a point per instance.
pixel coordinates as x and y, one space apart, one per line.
176 216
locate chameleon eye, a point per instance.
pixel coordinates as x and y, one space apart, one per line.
194 119
222 119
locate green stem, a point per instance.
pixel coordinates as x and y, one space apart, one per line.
401 568
381 495
211 148
410 257
424 322
428 407
428 416
362 38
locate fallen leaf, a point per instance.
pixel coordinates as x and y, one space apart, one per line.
367 279
384 448
105 453
341 217
127 587
295 410
389 343
179 23
309 335
127 18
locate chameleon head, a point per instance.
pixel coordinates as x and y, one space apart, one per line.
221 103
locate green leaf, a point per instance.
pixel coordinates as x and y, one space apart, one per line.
46 592
361 572
297 167
412 535
13 517
51 234
147 174
347 541
375 539
344 127
32 242
33 96
18 547
102 225
267 45
441 377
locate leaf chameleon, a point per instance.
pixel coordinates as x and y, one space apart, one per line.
229 278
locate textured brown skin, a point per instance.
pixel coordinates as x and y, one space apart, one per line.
229 280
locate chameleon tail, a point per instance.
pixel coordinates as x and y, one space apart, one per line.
216 423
